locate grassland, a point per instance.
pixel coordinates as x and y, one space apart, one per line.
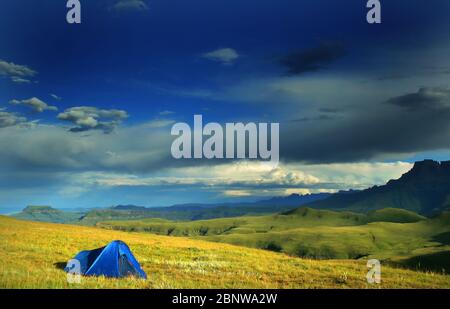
396 236
301 217
33 254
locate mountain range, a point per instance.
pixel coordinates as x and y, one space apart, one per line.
425 189
175 212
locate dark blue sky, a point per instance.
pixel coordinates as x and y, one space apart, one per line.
138 58
345 93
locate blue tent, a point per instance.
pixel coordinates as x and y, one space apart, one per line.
115 260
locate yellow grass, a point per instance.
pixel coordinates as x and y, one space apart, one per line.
31 252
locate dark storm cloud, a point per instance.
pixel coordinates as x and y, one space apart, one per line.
330 110
421 124
54 149
315 118
426 98
312 60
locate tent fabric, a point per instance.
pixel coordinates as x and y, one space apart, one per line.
114 260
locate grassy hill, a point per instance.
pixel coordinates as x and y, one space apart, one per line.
390 234
302 217
394 215
33 254
241 225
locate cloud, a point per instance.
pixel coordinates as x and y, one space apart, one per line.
312 60
17 73
130 149
130 5
20 80
42 164
319 92
35 104
223 55
373 131
136 161
243 174
8 119
91 118
56 97
315 118
246 178
425 98
330 110
344 119
166 113
237 193
159 123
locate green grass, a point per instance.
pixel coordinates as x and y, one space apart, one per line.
394 215
320 234
32 254
241 225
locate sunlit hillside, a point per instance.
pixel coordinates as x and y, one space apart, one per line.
397 236
34 254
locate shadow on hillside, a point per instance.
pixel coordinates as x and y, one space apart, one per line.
443 238
60 265
438 262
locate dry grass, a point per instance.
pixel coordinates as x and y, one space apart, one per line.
31 251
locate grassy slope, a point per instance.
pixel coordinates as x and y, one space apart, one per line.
304 217
301 217
379 240
318 234
32 253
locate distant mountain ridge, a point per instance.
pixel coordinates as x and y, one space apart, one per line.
40 210
176 212
203 211
47 214
291 200
424 189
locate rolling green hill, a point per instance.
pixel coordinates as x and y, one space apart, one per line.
298 218
389 234
394 215
305 217
36 252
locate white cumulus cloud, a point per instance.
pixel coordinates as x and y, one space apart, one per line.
17 73
8 119
92 118
35 104
223 55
